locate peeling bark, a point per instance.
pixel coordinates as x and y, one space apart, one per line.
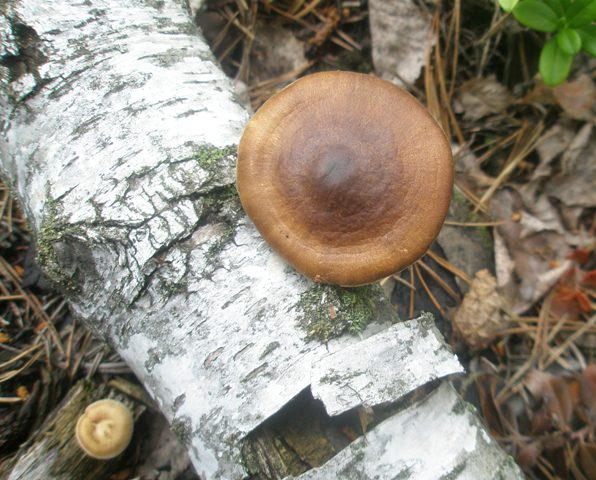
118 135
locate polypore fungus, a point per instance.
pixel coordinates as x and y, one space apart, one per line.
105 429
347 176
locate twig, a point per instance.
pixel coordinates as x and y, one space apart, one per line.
428 291
526 142
449 266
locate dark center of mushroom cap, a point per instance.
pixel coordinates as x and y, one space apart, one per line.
335 168
336 183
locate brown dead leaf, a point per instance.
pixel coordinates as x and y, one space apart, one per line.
554 400
481 97
570 297
575 184
577 98
528 455
275 51
480 316
531 248
549 146
541 422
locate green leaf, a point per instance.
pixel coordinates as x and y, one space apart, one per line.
537 15
554 64
588 36
556 7
508 5
581 12
569 41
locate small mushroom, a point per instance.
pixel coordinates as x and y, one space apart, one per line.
105 429
346 176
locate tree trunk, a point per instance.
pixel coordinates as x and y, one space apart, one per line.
119 138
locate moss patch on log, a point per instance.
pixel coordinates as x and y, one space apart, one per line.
53 231
328 311
212 159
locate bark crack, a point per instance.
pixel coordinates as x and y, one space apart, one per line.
23 57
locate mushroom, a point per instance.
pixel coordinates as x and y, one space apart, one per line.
105 429
346 176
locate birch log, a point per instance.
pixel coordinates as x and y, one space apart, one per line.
118 136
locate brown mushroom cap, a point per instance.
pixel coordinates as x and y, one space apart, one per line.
105 429
347 176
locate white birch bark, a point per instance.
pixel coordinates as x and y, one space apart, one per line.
119 138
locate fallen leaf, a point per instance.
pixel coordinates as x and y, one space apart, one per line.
553 397
400 34
581 256
569 298
528 455
275 52
589 279
531 248
575 184
577 98
480 97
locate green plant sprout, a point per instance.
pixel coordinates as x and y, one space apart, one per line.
570 21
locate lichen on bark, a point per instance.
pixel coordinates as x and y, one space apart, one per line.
53 232
328 311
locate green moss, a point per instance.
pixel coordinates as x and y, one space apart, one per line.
54 229
222 197
327 311
181 427
210 157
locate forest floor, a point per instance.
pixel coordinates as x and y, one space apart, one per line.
511 278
